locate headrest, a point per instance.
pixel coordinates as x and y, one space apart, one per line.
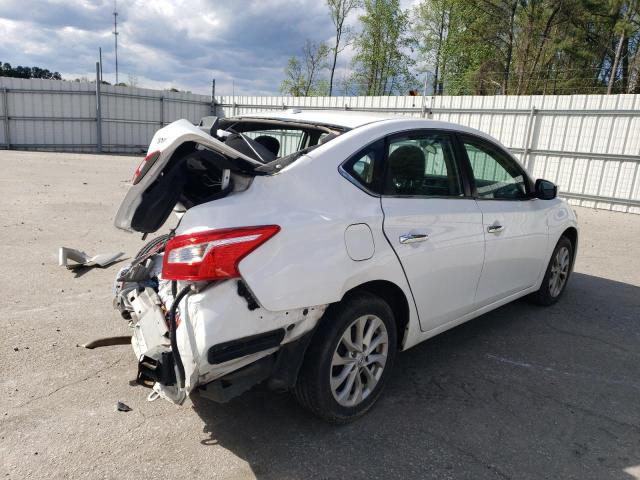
270 143
408 161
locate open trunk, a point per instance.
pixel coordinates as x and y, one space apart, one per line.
186 167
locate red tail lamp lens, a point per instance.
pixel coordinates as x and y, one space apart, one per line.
144 166
213 254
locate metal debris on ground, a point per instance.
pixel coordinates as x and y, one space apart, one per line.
72 258
123 407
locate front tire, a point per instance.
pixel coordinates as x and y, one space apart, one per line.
557 274
349 359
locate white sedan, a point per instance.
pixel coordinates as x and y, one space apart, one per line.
311 247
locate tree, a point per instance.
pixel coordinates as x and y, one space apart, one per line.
301 77
520 47
133 80
431 20
382 62
27 72
537 25
315 59
627 24
492 23
295 81
339 11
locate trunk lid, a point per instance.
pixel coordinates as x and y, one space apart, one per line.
185 165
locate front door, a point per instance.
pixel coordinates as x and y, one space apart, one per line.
434 228
515 224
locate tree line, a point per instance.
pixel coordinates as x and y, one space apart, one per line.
480 47
6 70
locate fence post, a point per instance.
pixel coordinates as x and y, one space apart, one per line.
528 140
162 111
98 111
5 115
213 97
424 98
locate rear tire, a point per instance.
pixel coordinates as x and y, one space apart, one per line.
349 359
557 275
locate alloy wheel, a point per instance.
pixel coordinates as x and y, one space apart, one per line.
359 360
559 271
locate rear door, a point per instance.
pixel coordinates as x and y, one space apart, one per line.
514 223
433 224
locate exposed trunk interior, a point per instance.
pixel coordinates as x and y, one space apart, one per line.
190 178
196 174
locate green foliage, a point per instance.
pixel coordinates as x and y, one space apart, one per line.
6 70
294 81
480 47
339 10
302 77
530 46
382 62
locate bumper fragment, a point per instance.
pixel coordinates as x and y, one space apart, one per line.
156 365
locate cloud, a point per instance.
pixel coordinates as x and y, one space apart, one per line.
164 43
243 44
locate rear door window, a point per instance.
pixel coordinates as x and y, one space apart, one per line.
364 167
422 164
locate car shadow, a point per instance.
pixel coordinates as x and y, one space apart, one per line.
520 392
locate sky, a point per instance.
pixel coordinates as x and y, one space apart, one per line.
183 44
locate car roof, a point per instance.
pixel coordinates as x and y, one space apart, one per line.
351 120
334 118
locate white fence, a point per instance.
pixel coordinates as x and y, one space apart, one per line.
588 144
77 116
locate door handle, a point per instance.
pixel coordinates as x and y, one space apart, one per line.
495 228
413 237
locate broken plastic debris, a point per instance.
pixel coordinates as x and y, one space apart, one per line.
72 258
107 342
123 407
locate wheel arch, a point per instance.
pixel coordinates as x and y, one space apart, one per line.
395 298
572 234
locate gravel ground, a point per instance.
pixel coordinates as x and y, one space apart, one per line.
521 392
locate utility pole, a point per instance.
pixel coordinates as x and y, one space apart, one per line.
100 53
115 35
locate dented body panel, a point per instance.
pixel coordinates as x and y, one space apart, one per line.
210 317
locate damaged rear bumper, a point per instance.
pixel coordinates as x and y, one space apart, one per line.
226 341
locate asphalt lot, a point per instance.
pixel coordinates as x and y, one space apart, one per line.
521 392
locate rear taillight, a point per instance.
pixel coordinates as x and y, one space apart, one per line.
213 254
144 166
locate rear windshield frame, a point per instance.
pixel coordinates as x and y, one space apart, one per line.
249 124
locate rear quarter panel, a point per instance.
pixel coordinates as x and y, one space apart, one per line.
306 263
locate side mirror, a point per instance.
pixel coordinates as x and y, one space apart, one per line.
545 190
